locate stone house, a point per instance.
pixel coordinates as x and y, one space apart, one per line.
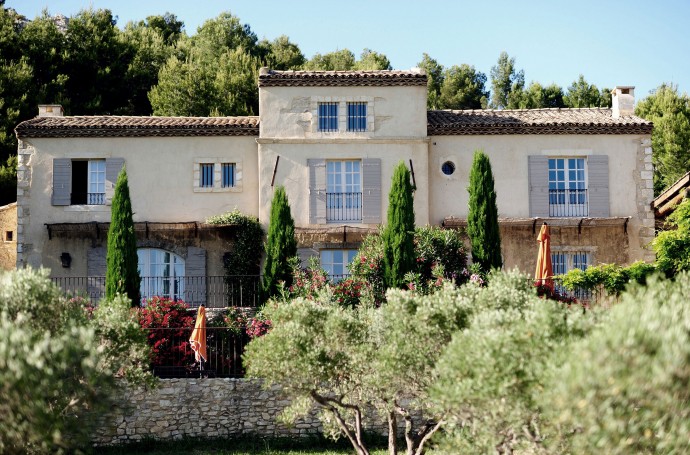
8 236
332 140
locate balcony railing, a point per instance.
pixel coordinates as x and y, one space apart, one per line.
87 198
210 291
344 207
566 203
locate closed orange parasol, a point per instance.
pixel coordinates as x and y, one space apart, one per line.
198 338
544 273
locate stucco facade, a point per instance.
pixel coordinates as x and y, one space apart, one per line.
332 139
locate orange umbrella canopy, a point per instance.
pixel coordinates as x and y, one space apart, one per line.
198 338
544 270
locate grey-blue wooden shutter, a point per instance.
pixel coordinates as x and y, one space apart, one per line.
62 181
598 188
305 254
371 191
195 276
538 181
95 272
317 191
112 170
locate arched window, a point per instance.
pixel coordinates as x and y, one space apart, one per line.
162 273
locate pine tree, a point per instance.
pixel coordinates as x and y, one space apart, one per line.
398 235
482 219
122 273
280 245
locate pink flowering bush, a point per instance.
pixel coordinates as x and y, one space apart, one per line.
169 326
258 325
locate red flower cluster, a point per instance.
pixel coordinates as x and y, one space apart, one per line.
257 327
169 326
348 292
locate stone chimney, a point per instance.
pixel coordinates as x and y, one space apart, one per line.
50 110
623 102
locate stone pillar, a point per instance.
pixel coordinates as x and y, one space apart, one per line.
24 153
644 183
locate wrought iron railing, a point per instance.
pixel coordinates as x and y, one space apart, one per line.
172 355
566 203
210 291
87 198
344 207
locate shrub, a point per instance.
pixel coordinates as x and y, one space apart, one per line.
611 278
626 388
280 245
482 217
168 326
673 246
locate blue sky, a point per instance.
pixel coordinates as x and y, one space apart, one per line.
610 42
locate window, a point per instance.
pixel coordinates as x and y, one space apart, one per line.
564 261
567 187
227 175
336 263
328 117
162 273
357 116
206 175
88 182
448 168
9 235
344 191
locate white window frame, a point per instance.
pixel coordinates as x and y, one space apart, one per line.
95 182
337 260
162 273
218 166
568 186
343 191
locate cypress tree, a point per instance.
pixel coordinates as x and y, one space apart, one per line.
280 245
398 235
482 219
122 272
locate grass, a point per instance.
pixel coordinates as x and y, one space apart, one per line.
242 446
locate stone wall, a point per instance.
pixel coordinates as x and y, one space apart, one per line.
206 408
8 236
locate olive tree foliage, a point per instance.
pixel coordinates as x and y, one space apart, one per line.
506 81
122 262
281 245
482 218
58 366
673 245
398 234
358 365
670 112
626 388
490 376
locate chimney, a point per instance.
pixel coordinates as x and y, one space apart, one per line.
50 110
623 102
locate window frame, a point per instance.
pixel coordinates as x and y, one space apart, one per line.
344 191
568 186
356 116
328 118
327 260
227 175
218 183
174 281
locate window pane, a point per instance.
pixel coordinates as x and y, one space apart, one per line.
228 175
206 175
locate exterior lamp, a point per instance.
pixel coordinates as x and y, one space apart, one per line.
66 260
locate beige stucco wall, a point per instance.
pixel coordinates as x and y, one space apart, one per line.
293 173
161 176
509 161
8 248
288 112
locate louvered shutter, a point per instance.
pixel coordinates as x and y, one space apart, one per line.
62 181
305 254
95 272
195 276
538 181
598 188
371 191
112 170
317 191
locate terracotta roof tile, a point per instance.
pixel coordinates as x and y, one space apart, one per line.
381 78
533 121
114 126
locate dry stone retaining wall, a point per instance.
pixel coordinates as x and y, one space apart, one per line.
206 408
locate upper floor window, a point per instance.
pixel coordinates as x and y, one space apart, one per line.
336 263
227 175
88 182
567 187
357 116
344 190
328 116
162 273
206 175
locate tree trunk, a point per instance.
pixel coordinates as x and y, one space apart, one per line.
392 434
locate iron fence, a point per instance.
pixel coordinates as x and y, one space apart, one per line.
210 291
344 206
567 203
173 357
579 294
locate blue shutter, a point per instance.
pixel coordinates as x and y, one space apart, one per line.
62 181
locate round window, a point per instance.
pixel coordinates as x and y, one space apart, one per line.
448 168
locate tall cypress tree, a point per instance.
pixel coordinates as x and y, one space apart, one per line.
398 235
482 219
122 272
280 245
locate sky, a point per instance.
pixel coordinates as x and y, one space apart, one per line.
610 42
